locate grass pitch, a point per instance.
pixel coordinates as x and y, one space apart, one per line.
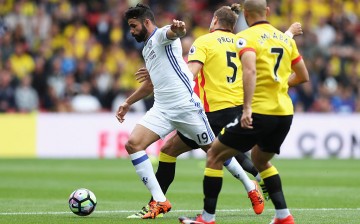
37 190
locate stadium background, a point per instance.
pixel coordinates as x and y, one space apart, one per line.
65 66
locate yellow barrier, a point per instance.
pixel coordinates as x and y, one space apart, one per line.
18 135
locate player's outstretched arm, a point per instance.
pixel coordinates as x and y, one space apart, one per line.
294 30
176 30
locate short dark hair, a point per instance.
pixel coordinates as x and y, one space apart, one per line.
141 12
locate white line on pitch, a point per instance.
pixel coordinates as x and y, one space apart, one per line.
178 211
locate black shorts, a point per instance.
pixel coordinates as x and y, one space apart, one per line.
269 133
218 120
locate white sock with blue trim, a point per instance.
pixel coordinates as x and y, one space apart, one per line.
238 172
146 173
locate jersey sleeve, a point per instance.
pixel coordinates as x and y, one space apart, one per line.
244 44
162 38
198 51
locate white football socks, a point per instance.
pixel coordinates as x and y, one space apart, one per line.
146 173
207 216
238 172
282 213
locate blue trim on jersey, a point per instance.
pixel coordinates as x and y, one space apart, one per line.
152 34
177 68
139 160
227 162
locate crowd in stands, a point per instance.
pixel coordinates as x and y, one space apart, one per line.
78 56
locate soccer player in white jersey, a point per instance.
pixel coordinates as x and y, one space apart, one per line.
176 106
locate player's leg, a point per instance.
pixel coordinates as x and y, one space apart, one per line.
152 127
173 147
232 165
140 138
239 173
212 182
272 180
246 163
201 137
165 173
261 156
218 120
180 144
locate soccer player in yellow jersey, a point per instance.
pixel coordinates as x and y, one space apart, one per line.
268 58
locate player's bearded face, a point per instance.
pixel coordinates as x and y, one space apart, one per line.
141 36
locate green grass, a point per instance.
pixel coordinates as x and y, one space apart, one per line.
36 191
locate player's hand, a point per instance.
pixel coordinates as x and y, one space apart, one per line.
123 109
178 27
296 29
246 119
142 75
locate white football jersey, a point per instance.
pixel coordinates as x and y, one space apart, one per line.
172 80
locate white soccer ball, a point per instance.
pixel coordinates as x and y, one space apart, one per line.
82 202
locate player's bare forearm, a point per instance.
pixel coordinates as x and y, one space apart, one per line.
142 75
139 94
195 68
249 83
145 89
248 61
176 30
300 74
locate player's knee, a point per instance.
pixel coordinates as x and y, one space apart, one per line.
168 149
175 147
205 148
261 164
131 146
214 159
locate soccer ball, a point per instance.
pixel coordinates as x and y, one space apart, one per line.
82 202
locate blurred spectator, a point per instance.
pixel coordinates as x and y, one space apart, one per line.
26 97
7 92
56 79
6 47
84 101
62 44
40 25
21 62
39 79
344 101
324 33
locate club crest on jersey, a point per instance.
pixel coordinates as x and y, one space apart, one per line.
150 44
192 50
241 43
